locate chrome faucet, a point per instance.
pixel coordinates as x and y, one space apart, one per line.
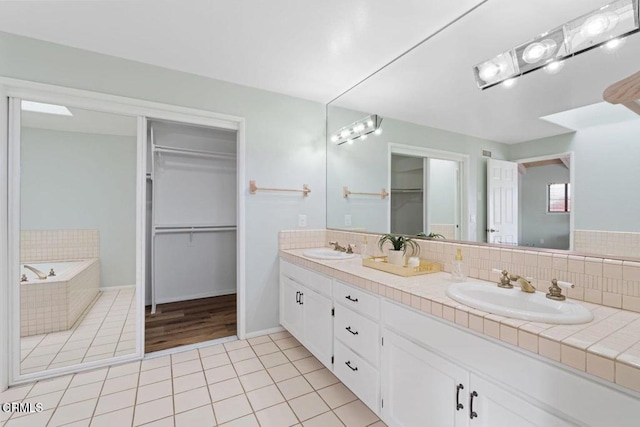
37 272
524 284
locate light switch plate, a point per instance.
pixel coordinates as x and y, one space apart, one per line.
347 220
302 220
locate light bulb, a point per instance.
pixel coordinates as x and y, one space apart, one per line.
554 67
345 133
538 51
334 138
614 44
599 24
350 141
359 128
378 131
363 137
370 123
489 70
509 83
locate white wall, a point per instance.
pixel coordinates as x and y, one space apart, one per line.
285 143
536 226
80 181
605 171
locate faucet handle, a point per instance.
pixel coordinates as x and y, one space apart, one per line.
350 248
555 290
504 279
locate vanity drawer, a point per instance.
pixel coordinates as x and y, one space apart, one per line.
358 333
357 300
357 375
308 278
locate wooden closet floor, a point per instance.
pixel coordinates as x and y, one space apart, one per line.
189 322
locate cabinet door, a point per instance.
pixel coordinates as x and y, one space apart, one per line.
290 306
420 388
317 325
496 407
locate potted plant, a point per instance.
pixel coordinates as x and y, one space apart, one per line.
400 244
430 235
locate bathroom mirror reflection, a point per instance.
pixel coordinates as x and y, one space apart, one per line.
571 156
77 236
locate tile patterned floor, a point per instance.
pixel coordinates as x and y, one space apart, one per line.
268 381
107 329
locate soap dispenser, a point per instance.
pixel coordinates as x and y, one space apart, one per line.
364 249
458 270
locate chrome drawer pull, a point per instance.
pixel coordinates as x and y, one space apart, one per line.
348 363
351 299
348 328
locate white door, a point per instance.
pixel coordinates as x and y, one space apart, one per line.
420 388
317 325
495 407
502 202
290 306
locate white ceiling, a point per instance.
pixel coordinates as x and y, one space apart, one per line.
309 49
316 50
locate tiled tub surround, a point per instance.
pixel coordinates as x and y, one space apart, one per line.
57 245
608 347
56 303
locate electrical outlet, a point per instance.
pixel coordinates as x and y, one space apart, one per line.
347 220
302 220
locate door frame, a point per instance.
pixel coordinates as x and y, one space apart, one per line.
572 180
466 227
10 208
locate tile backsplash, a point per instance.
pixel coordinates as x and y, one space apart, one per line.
611 242
599 280
58 245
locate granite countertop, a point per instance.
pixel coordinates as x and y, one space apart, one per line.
607 347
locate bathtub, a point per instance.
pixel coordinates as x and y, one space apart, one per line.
55 303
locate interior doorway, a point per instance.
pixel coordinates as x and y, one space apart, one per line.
192 209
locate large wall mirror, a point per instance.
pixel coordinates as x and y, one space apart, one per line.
544 163
78 251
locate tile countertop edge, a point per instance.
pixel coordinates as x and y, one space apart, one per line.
617 363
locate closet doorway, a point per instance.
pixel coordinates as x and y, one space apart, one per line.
192 199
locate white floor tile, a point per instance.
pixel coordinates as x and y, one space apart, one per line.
221 373
248 366
356 414
152 411
202 416
189 382
265 397
308 406
279 415
328 419
255 380
225 389
116 401
283 372
74 412
294 387
273 359
337 395
246 421
321 378
154 391
122 417
191 399
232 408
80 393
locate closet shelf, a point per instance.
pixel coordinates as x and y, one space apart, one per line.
194 229
195 153
407 190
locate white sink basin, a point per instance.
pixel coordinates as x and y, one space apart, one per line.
326 253
535 307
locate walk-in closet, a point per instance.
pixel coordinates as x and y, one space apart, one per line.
191 234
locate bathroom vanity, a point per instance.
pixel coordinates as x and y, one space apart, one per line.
415 358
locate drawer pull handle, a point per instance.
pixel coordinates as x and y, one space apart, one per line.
472 414
301 300
351 299
348 363
348 328
458 404
298 297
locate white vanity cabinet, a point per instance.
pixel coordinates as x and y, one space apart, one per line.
356 331
421 388
306 309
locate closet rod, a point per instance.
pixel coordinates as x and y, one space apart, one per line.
189 152
194 230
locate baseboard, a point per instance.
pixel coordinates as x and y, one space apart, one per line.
116 288
264 332
216 293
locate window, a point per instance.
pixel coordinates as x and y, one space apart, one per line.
559 198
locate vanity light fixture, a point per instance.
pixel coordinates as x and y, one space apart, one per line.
359 129
39 107
606 26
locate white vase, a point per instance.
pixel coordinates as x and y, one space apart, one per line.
395 257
